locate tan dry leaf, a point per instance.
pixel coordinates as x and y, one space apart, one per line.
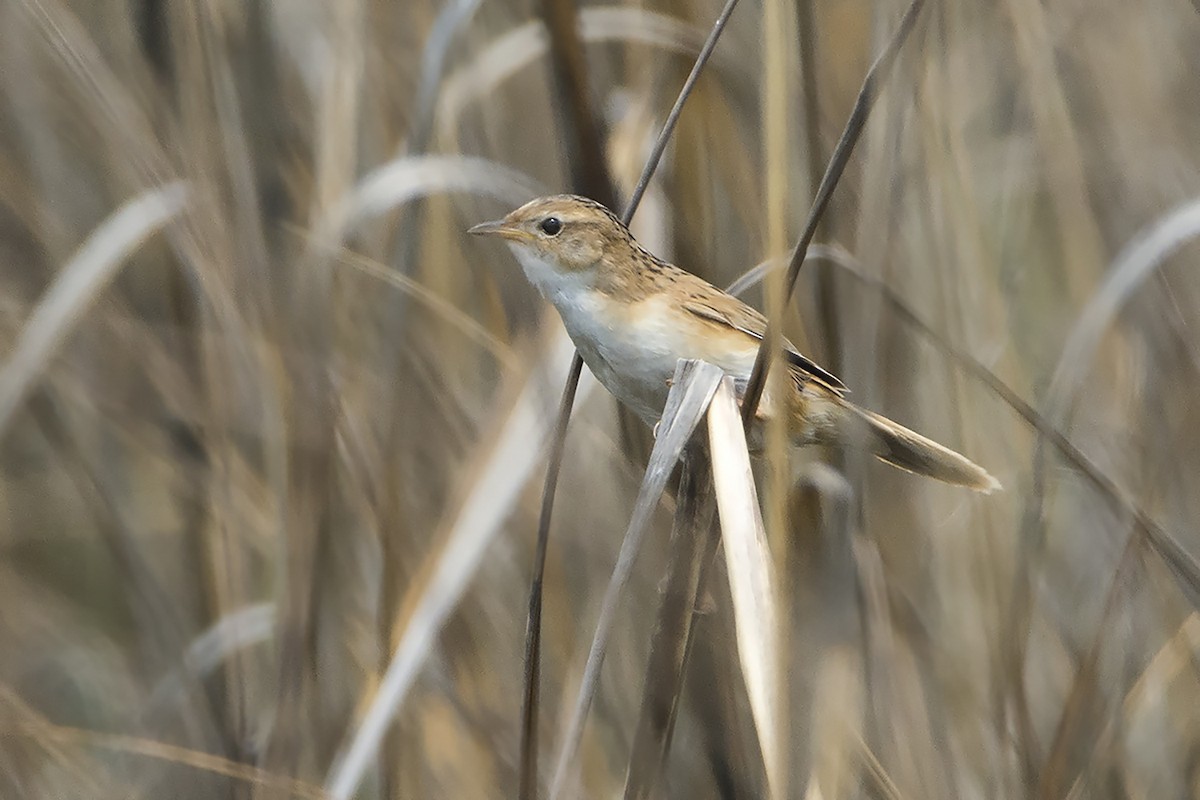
751 580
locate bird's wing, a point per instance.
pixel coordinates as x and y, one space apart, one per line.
735 314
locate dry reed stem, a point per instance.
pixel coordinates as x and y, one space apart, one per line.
875 76
531 679
692 548
691 391
754 583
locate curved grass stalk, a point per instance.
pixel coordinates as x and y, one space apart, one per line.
78 285
526 44
235 631
409 177
503 469
1183 566
1135 264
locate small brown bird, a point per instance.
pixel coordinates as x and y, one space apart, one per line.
632 316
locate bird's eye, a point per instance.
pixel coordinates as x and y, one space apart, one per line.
551 226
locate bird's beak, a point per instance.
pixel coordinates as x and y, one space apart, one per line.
499 228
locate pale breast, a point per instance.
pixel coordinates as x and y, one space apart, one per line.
630 348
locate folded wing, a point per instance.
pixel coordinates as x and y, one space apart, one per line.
733 313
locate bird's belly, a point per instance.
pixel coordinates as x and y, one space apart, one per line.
633 357
636 373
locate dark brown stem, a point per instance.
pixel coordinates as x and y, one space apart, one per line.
533 626
833 173
589 176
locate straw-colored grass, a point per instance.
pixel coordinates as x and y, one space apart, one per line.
273 429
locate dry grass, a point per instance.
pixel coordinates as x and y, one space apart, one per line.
273 442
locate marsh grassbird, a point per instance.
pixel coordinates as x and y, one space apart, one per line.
633 316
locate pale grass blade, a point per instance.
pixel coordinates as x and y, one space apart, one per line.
404 179
751 580
237 630
488 500
524 45
1136 263
77 286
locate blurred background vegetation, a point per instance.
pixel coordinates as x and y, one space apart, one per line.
268 438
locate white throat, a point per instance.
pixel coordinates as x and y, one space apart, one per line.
563 289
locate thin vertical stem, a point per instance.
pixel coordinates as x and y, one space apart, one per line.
527 787
833 173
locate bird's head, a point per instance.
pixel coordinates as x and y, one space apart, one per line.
561 237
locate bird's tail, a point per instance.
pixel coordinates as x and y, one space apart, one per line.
895 444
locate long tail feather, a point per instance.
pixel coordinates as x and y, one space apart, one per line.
895 444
